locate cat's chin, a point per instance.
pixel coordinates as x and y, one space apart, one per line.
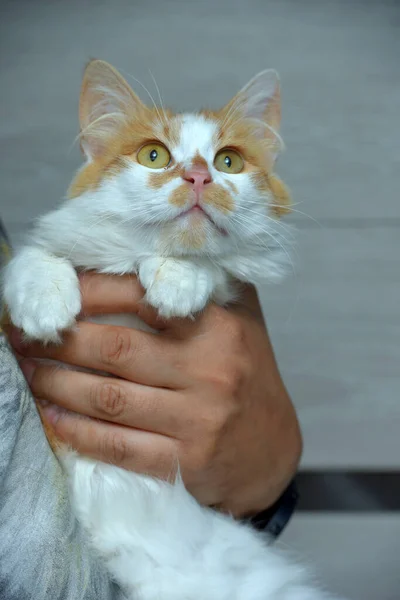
197 218
192 234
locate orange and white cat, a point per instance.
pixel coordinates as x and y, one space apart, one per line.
189 203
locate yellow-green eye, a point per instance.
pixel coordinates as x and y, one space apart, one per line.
154 156
228 161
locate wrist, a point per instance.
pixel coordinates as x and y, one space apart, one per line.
265 491
274 520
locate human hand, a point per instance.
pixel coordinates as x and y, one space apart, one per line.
206 393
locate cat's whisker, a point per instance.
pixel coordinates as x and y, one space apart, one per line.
291 209
103 219
161 121
74 142
99 221
279 239
264 245
84 233
159 95
232 122
276 222
300 213
289 241
233 108
95 125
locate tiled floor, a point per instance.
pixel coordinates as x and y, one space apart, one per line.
335 323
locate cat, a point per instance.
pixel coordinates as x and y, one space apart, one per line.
190 203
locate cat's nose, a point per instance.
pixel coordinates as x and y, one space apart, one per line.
198 178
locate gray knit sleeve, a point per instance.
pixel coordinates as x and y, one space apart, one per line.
43 551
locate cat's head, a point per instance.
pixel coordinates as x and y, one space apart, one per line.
198 182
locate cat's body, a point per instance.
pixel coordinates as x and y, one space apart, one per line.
189 204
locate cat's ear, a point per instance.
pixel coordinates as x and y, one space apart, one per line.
106 101
261 99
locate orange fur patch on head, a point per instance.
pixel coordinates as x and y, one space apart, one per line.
281 195
199 162
260 180
167 130
256 152
158 179
121 146
219 197
239 133
171 130
272 184
124 144
91 176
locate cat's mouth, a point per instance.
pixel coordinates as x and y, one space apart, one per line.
198 212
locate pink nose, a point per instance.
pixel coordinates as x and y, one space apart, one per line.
198 178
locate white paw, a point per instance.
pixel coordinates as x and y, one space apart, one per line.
177 288
42 294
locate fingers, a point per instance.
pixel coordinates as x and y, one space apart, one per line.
213 316
116 294
132 449
134 355
106 398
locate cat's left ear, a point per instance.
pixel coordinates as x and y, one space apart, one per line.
261 99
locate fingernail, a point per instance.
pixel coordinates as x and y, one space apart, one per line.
51 412
43 403
28 368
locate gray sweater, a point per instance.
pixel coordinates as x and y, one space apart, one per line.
43 551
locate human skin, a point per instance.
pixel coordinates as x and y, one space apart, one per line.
204 393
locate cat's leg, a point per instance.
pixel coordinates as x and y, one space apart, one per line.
179 287
158 542
42 293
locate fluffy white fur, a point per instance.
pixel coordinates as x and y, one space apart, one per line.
160 543
155 539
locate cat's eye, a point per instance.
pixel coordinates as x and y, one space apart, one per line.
154 156
228 161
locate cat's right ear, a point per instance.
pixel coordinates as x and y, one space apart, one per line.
260 102
106 101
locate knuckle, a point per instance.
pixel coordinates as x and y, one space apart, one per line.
115 346
212 427
108 398
115 449
223 416
216 422
229 380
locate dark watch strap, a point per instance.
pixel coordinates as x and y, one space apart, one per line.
273 520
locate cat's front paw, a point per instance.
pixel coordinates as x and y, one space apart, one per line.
42 295
176 288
